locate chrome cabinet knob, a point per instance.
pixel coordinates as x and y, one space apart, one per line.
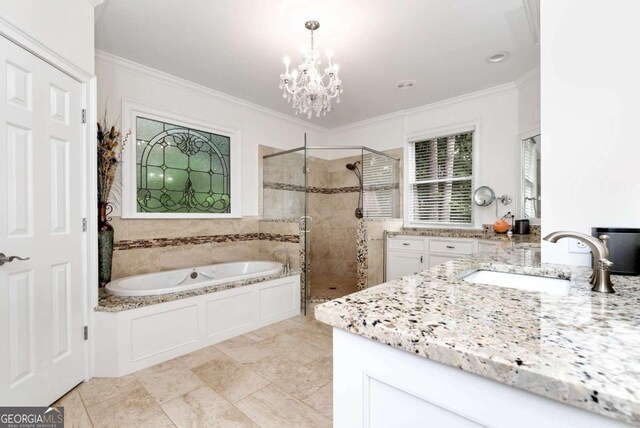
8 259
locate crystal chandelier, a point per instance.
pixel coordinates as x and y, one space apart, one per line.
306 86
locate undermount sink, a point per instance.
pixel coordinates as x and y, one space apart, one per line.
556 286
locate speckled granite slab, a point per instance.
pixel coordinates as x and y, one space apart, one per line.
109 303
468 233
582 349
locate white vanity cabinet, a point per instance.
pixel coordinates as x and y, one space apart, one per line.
407 254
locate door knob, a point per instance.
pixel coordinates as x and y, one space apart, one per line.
8 259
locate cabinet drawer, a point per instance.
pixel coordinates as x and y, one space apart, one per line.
451 247
409 244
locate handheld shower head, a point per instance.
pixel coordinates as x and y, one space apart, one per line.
353 166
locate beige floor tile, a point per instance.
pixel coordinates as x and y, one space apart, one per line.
273 330
314 333
232 380
75 414
190 360
244 350
165 385
294 377
272 407
300 318
132 409
101 389
295 347
204 407
322 400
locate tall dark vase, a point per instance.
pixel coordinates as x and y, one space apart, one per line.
105 244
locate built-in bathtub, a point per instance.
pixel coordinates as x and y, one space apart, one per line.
179 280
152 318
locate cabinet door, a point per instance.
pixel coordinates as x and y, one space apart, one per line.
438 259
401 263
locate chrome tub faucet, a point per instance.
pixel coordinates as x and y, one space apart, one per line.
287 264
601 277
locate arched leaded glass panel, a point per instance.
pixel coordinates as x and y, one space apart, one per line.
181 170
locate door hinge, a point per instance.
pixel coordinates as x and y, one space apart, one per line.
86 332
84 224
84 115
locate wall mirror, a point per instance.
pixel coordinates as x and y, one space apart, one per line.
529 161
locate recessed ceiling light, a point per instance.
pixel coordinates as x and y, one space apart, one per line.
406 84
497 57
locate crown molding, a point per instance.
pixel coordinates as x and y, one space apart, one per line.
528 77
532 10
114 61
427 107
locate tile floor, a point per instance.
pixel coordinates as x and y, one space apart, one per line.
277 376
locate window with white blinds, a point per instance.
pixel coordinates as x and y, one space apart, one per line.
440 180
530 185
380 186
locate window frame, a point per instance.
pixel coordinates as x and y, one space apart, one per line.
130 112
459 128
520 174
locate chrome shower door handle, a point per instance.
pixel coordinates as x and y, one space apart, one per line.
306 223
8 259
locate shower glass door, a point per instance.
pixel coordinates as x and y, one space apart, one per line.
284 200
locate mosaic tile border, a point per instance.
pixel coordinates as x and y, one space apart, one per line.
362 255
202 239
326 190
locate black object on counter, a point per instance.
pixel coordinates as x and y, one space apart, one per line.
624 248
522 227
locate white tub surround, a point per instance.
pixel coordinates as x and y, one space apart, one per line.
581 350
180 280
132 333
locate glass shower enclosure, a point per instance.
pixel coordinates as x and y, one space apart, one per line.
329 192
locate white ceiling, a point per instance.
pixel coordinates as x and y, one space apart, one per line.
236 46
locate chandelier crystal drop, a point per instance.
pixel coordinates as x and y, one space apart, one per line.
306 87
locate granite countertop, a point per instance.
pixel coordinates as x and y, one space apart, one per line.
582 349
483 234
109 303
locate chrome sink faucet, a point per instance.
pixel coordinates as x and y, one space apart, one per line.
287 263
601 278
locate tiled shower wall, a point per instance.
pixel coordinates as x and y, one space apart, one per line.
338 243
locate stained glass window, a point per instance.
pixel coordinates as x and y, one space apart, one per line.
181 170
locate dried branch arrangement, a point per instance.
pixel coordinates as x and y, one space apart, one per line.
110 148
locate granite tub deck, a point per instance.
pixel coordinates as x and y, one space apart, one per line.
582 349
109 303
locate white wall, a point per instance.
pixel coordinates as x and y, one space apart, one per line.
497 112
119 78
529 101
590 115
64 26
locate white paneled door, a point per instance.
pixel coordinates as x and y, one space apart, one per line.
41 186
